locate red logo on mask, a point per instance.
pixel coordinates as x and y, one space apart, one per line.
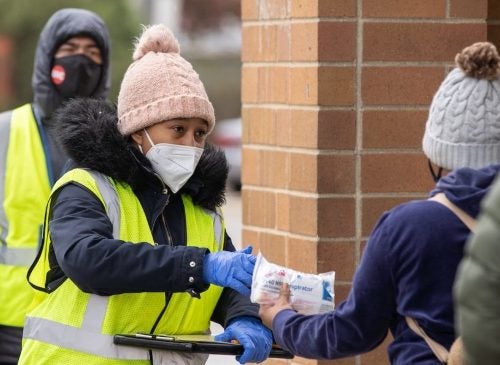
58 74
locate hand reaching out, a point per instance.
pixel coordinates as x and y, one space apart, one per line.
230 269
267 312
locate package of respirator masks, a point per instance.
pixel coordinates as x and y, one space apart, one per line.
309 293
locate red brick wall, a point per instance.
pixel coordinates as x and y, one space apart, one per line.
335 98
493 20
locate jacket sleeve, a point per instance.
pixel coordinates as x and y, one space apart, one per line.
358 325
477 290
232 304
86 252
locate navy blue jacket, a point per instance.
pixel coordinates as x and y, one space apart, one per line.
407 269
83 247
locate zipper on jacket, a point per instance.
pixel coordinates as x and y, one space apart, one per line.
164 191
167 231
168 295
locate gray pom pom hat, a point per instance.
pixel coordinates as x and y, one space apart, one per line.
463 128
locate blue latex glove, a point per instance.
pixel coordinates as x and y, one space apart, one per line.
256 338
230 269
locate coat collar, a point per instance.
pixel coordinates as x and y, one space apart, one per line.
87 129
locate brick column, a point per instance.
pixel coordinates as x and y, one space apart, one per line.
335 98
493 20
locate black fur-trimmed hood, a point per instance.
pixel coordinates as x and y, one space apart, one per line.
87 130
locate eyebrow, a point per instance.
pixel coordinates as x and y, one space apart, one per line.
75 44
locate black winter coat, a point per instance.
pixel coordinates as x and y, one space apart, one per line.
82 236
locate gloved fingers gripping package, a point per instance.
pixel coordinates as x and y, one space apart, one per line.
309 293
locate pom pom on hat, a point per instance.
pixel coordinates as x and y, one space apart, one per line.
463 128
480 60
160 85
156 38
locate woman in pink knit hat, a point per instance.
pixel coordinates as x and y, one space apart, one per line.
134 238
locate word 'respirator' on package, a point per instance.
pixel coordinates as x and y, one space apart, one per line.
309 293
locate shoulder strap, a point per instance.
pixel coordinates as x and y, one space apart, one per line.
438 350
464 217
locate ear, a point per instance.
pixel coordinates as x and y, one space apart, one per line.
137 137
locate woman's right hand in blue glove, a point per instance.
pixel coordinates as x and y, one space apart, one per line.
230 269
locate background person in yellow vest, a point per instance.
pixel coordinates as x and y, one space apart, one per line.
72 59
135 236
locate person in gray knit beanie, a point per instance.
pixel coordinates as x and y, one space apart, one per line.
463 128
404 281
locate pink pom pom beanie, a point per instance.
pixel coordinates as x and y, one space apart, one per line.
160 85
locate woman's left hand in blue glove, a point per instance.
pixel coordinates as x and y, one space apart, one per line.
256 338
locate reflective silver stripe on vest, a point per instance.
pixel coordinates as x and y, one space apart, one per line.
217 222
111 200
5 121
17 256
97 305
88 338
79 339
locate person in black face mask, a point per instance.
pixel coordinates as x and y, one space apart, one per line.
77 67
72 60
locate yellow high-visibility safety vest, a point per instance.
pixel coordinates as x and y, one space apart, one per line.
68 326
24 190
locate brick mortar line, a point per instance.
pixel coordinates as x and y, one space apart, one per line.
315 108
460 21
316 64
280 232
396 108
297 150
343 282
296 193
358 209
315 238
394 195
445 20
391 151
366 195
311 151
407 64
336 239
304 107
288 166
296 64
395 151
253 23
359 138
318 196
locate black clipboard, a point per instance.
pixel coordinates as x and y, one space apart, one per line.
189 343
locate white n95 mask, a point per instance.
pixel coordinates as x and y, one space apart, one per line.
174 163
